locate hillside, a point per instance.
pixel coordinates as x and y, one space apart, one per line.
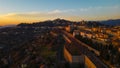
111 22
62 22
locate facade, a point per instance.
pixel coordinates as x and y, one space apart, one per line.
77 60
76 32
88 63
69 28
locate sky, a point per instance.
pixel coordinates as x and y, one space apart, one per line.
17 11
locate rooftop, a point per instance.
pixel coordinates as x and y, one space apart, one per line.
72 49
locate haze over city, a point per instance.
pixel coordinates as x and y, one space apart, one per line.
17 11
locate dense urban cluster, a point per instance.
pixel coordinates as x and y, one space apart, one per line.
51 44
105 39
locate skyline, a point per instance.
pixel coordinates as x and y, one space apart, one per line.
14 11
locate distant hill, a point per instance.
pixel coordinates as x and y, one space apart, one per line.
7 26
61 22
112 22
93 23
50 23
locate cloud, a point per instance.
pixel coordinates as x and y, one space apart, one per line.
99 8
8 15
36 14
70 10
55 11
68 13
84 9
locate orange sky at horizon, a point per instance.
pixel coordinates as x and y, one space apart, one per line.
11 19
28 11
14 18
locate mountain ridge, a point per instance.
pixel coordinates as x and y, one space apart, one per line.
111 22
